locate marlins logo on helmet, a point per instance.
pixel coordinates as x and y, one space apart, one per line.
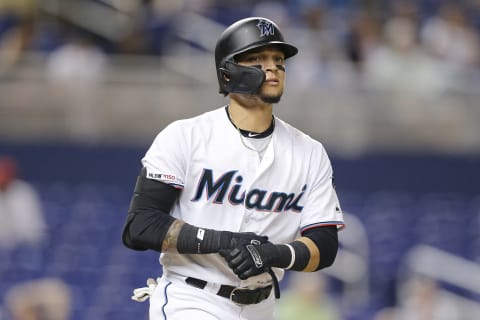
266 28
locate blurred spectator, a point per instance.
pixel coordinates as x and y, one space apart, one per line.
450 37
307 298
78 62
400 65
76 72
420 298
158 19
318 37
17 19
362 37
21 215
43 299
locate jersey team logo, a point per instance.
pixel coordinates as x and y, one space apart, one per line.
228 187
266 28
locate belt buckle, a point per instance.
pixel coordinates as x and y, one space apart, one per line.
232 294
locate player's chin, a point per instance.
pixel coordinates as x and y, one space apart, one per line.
271 98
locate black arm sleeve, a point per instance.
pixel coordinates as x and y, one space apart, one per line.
326 239
149 217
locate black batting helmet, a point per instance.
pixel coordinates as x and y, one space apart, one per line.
242 36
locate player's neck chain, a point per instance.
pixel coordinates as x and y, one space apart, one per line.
254 135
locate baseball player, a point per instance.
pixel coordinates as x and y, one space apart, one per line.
234 197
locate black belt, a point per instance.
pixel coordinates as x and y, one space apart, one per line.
237 295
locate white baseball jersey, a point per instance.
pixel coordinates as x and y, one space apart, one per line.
227 186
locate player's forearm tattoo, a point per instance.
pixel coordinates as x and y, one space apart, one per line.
170 241
314 261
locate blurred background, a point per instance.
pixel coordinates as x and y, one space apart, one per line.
391 88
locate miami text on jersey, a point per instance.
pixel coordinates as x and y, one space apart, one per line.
258 199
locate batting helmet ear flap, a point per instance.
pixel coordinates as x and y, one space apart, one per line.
239 79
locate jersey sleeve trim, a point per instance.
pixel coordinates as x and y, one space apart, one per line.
339 224
176 186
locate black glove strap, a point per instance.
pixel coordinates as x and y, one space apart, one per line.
276 286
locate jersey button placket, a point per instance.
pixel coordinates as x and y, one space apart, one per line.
253 166
247 218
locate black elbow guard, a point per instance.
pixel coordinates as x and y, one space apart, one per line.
326 239
148 217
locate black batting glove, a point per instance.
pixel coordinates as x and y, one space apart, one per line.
242 238
252 259
231 240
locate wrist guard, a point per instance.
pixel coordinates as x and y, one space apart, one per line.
196 240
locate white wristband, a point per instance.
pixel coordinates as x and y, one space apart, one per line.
292 250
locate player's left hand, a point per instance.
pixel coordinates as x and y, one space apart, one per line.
250 260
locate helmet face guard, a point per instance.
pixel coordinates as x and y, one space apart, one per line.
239 79
241 37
